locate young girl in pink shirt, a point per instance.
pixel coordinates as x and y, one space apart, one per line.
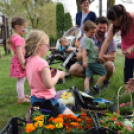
17 69
38 71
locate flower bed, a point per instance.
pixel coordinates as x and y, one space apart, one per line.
117 123
63 124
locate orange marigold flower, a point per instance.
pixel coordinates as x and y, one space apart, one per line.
79 120
74 124
38 123
73 117
88 126
66 117
51 119
69 114
30 127
58 120
66 125
61 115
38 118
50 126
84 115
89 120
80 126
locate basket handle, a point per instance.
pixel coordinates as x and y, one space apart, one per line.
118 95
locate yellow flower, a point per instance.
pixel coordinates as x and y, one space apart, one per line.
66 95
38 118
59 125
38 124
30 127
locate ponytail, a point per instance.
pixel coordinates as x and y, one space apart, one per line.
9 43
29 51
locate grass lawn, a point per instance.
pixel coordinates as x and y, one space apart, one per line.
8 96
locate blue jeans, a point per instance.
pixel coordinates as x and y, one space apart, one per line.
54 101
128 70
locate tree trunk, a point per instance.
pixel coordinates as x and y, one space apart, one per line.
78 4
110 3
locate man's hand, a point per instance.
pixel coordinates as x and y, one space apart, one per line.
79 56
85 64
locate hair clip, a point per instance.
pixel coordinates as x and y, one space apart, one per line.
23 30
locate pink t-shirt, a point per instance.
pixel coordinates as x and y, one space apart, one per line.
127 41
17 41
34 66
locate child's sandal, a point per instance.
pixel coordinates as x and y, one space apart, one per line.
27 96
22 100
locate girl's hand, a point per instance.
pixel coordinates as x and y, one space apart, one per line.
24 66
53 72
85 64
127 52
61 74
130 85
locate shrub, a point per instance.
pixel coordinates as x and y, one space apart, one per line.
67 21
59 19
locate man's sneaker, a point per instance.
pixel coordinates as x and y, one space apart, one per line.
92 80
105 84
97 90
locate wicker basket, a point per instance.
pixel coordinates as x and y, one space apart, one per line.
118 105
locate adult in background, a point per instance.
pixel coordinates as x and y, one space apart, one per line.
108 58
123 21
84 15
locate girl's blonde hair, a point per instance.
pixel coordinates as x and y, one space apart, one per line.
32 41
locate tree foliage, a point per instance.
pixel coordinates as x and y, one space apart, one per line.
67 21
63 20
110 3
59 19
40 13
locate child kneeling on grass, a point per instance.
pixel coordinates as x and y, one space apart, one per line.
90 56
38 71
